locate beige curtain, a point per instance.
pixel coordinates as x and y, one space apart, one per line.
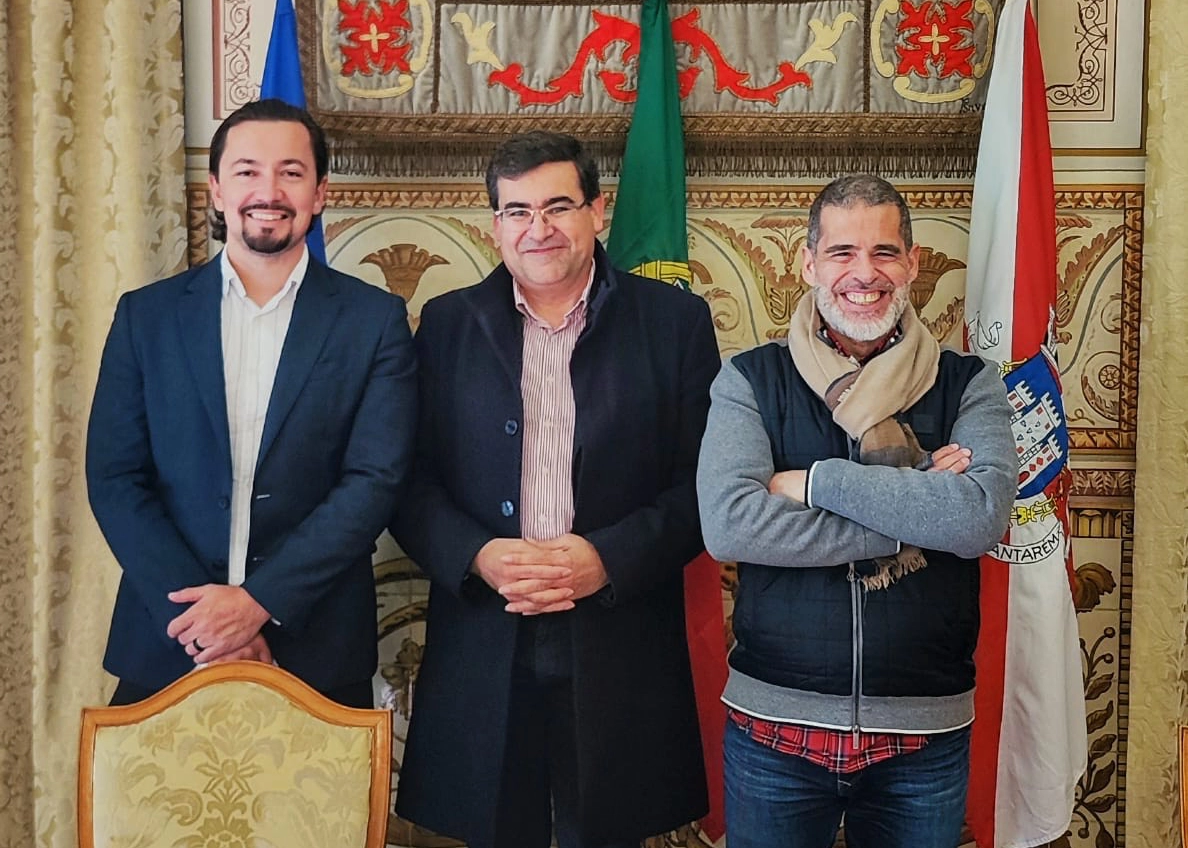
1159 666
92 204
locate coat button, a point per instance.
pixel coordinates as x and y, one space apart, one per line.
511 427
224 502
508 509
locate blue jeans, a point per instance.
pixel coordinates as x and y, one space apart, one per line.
776 800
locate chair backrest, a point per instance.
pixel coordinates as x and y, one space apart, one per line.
235 754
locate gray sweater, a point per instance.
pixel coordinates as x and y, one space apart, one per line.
857 512
849 520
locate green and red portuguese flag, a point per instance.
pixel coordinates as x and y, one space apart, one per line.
648 221
648 237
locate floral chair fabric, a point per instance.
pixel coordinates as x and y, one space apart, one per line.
232 761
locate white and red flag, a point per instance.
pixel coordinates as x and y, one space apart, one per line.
1029 739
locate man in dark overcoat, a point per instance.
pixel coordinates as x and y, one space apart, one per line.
554 508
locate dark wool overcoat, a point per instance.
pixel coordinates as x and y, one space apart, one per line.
641 374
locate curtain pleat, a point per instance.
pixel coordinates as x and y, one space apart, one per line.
92 198
1159 660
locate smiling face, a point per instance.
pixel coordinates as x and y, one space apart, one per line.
861 270
550 258
267 188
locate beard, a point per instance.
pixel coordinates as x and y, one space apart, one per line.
267 241
861 329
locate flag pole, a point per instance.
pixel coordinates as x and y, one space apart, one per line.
282 80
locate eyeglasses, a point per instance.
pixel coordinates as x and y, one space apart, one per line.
521 217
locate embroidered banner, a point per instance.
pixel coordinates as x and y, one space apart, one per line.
815 87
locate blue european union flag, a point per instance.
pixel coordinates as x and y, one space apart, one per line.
282 80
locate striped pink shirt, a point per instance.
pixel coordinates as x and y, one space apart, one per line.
546 484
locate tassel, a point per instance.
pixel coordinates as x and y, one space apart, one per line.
909 559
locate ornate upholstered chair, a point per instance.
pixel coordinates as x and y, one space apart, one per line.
235 755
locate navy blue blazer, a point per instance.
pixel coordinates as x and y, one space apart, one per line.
336 446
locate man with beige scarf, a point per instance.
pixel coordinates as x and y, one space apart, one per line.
856 473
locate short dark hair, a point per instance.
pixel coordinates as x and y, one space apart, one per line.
270 109
528 151
853 190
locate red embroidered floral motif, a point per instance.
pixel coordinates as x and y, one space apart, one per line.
378 36
686 30
938 39
610 30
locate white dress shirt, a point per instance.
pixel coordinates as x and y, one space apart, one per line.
252 340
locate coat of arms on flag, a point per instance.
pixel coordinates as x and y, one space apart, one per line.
1041 443
1041 432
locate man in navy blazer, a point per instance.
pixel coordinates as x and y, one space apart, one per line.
554 509
250 434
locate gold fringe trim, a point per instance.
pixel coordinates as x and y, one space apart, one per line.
820 158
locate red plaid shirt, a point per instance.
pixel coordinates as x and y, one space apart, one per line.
840 751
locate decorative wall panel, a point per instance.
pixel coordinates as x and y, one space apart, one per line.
1094 53
422 240
236 68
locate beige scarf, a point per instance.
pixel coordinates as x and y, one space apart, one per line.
865 398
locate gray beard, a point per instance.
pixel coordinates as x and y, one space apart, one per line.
860 331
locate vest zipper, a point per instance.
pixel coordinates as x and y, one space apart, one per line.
855 623
856 649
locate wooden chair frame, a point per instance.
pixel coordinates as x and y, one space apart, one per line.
1184 786
271 677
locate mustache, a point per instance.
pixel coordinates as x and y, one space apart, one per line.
268 207
553 240
890 290
876 285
